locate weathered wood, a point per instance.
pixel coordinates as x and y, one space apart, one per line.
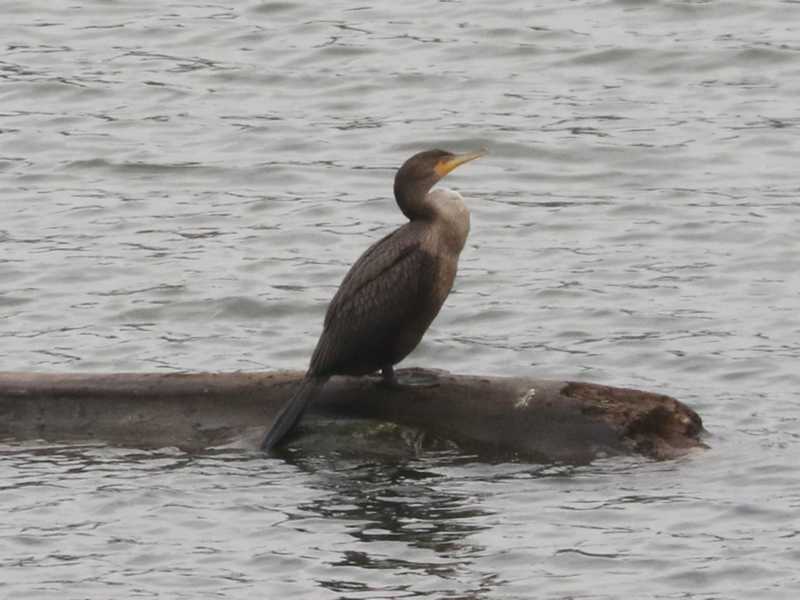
492 416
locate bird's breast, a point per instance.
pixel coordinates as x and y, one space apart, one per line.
447 267
443 244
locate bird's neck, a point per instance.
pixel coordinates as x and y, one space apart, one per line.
412 198
450 219
441 208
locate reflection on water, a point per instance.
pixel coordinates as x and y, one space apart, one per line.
400 524
326 526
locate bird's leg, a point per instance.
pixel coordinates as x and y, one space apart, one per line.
388 378
406 380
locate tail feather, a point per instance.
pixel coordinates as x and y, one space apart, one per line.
291 412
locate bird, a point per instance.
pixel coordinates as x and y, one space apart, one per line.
394 290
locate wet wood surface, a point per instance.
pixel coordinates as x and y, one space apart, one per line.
518 417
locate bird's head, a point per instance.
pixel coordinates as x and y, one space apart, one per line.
421 172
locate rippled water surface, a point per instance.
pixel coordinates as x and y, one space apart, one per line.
183 185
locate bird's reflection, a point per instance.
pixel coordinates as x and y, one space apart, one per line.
404 519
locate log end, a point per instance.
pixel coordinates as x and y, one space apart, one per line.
655 425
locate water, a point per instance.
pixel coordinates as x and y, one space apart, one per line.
184 185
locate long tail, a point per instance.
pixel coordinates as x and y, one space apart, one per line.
291 412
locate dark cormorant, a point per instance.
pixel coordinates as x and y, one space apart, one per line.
394 290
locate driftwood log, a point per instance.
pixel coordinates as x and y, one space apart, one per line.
508 417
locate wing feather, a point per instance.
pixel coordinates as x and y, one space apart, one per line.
375 302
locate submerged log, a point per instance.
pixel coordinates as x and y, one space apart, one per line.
518 417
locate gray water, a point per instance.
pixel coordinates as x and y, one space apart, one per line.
183 185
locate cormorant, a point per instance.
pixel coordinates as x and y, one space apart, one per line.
394 290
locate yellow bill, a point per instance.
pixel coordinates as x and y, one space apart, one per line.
444 166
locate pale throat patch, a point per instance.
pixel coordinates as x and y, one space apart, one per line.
452 210
450 204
